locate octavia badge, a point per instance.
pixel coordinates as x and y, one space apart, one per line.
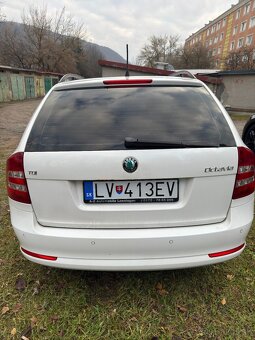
130 164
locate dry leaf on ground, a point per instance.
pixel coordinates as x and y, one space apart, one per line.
17 307
223 301
182 309
5 309
159 286
133 319
161 290
14 331
33 321
54 318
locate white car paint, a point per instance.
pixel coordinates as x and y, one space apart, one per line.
132 236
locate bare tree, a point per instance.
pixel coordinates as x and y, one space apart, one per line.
167 49
13 49
88 64
2 15
48 42
194 57
161 48
55 41
242 59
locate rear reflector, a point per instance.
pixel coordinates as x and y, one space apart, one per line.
39 256
127 81
15 176
245 180
227 252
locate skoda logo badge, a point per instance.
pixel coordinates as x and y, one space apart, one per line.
130 164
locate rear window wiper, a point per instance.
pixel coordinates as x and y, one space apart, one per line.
135 143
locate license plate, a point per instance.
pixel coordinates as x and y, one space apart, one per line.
144 191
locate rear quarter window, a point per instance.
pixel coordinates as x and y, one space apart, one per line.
101 118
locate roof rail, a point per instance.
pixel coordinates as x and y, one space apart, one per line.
70 77
184 74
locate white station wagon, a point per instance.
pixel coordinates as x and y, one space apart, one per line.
131 173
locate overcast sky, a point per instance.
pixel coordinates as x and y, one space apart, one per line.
113 23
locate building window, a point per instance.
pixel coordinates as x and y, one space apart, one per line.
206 43
219 50
214 52
221 36
249 40
210 42
252 21
218 25
243 26
235 30
208 32
245 58
216 39
240 42
217 62
238 14
224 22
247 8
232 46
213 28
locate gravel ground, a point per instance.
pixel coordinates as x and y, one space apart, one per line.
14 117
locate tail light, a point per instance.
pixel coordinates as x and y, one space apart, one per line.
39 256
127 81
16 182
227 252
245 181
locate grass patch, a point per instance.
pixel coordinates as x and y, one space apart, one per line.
239 117
179 304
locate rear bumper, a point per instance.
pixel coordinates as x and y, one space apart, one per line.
133 264
132 249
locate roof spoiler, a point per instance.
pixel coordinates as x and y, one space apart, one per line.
184 74
70 77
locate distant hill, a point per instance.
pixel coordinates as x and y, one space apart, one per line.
106 52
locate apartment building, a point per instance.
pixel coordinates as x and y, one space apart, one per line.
229 32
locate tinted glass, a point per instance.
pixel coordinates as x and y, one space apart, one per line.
101 118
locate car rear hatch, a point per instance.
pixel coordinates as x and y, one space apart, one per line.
136 156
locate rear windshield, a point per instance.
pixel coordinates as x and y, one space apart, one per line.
101 118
